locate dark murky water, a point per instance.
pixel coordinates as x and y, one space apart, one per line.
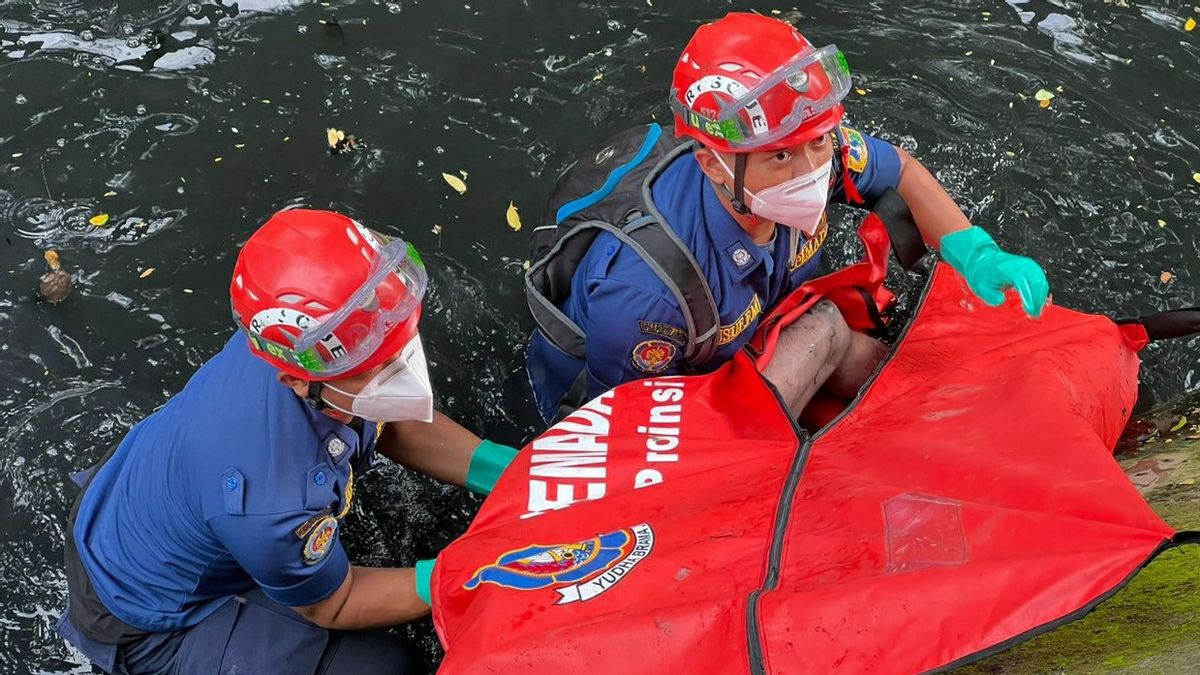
190 123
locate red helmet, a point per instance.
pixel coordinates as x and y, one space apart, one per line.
321 297
750 83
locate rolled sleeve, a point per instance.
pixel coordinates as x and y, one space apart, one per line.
277 552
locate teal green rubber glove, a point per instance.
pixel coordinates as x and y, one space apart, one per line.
487 463
424 576
989 270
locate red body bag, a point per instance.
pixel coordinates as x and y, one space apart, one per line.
966 500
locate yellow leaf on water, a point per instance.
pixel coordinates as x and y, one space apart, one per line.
1187 481
99 220
455 182
1196 177
334 136
860 91
514 218
1190 24
146 272
1180 424
1165 277
1044 95
1044 104
51 257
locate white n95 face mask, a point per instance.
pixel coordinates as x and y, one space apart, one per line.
797 203
399 393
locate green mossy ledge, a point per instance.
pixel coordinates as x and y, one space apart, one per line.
1153 624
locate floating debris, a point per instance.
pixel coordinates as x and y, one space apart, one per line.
56 284
1166 277
100 219
1043 97
1190 24
437 229
455 182
110 193
513 218
146 272
340 142
860 91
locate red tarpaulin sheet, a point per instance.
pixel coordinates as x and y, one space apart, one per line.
967 499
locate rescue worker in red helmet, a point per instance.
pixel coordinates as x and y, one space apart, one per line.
207 541
764 107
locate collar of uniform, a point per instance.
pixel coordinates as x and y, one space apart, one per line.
733 245
338 440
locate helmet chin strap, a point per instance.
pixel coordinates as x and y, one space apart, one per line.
737 198
314 398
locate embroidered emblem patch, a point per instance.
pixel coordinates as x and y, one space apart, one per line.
741 257
320 540
811 246
653 356
673 333
732 331
856 147
578 572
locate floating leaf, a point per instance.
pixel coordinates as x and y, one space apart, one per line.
1162 223
334 137
1190 24
1196 176
110 193
1043 95
514 218
455 182
239 146
1165 277
188 291
860 91
146 272
51 257
1044 104
1180 424
99 220
217 159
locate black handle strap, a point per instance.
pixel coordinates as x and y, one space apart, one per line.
1175 323
907 243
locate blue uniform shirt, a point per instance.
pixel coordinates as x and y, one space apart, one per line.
633 323
235 482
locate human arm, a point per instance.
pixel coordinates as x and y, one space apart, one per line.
633 332
445 450
874 166
369 598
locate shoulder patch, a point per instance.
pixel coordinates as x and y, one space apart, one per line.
856 149
320 540
653 356
672 333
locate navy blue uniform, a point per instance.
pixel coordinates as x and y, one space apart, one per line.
213 517
633 323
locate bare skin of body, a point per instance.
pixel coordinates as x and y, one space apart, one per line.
820 351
